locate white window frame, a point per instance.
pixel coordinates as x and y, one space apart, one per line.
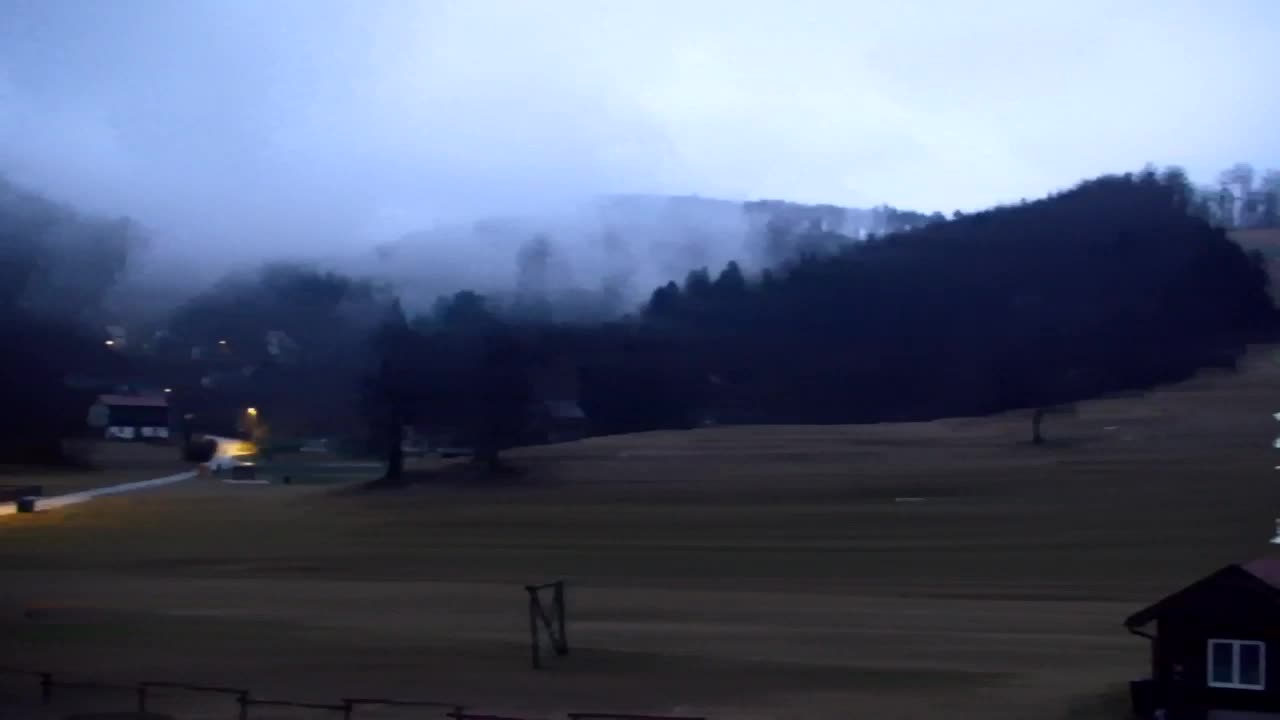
1235 664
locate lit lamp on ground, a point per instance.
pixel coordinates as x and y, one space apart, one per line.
254 426
247 423
247 451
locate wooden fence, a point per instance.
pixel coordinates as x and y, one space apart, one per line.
143 697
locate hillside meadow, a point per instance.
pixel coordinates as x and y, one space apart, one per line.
755 572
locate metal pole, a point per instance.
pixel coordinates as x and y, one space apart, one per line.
564 627
533 627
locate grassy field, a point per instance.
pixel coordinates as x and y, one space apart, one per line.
819 572
109 463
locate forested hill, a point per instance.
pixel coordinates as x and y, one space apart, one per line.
1114 284
1119 283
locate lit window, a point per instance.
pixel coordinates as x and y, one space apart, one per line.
1240 664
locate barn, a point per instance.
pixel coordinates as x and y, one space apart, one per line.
1210 644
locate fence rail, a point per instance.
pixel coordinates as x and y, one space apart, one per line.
245 699
353 703
193 688
21 671
472 716
626 716
146 686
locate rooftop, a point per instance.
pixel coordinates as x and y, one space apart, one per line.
134 400
1266 569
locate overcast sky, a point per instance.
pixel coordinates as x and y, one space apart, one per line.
281 123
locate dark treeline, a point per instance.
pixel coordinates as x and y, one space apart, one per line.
1120 283
1113 285
1242 198
56 265
1116 284
291 340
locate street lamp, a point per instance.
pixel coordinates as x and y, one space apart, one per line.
253 412
109 343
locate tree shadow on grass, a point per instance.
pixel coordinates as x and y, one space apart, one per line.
459 475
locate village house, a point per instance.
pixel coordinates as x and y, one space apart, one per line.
555 415
557 421
1210 644
132 417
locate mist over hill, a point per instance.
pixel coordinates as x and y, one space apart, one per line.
613 249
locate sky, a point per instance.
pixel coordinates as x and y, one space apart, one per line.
257 126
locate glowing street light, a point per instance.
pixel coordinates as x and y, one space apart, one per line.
222 342
168 390
253 412
109 343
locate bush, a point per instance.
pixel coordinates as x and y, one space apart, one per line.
200 450
78 452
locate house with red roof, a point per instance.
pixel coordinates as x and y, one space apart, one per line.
1215 647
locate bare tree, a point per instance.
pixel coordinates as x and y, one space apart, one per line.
1238 180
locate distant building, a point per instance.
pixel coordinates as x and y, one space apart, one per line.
555 415
281 347
131 417
1210 647
231 379
117 336
557 421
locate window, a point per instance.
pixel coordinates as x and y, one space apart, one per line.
1240 664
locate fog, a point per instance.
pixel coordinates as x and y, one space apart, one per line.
236 130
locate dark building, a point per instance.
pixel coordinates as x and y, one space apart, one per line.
557 421
555 414
1210 644
132 417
